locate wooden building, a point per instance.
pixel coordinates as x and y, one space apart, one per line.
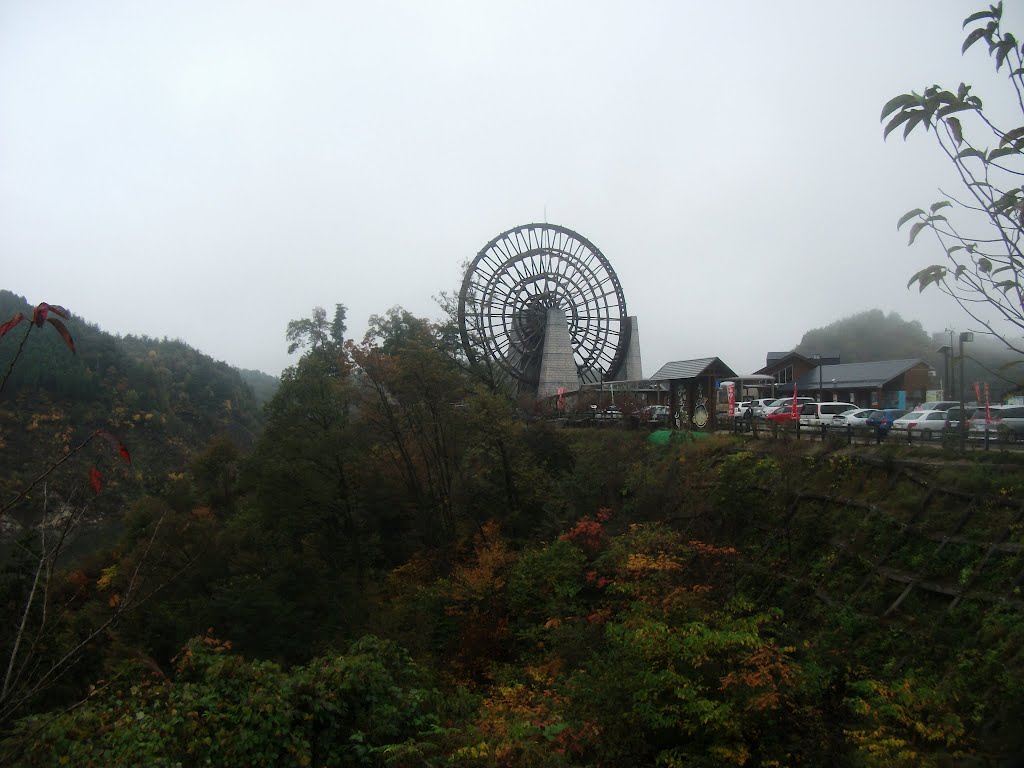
787 367
879 384
692 391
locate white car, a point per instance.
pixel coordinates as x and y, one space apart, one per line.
817 415
784 403
856 418
937 405
760 407
740 409
925 423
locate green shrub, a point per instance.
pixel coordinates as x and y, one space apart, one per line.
221 709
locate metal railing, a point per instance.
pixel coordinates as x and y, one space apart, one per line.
864 435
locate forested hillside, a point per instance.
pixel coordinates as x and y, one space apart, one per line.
866 336
405 572
163 398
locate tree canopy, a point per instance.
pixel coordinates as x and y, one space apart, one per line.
867 336
979 227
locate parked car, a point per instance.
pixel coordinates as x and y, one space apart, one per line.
611 412
953 414
760 406
785 403
740 409
656 413
937 405
884 418
818 415
759 403
782 414
926 423
1011 423
855 418
982 422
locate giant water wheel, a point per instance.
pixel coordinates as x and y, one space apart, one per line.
520 275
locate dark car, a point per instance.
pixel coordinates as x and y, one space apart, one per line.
953 415
884 418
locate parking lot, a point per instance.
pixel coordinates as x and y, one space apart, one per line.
947 438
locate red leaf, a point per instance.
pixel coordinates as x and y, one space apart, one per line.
95 480
63 331
12 323
39 314
122 451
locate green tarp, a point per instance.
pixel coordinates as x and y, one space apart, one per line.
666 436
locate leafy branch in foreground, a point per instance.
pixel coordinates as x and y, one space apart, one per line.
95 477
34 651
40 315
984 263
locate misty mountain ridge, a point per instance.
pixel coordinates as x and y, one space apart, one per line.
163 398
873 335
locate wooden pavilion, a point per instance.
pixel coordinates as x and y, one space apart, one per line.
693 388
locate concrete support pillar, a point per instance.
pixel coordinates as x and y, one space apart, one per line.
631 369
557 366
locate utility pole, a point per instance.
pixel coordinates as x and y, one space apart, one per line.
947 383
952 366
817 357
964 336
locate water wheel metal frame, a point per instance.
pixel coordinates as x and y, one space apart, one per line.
522 273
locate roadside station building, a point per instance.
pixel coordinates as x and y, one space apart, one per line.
881 384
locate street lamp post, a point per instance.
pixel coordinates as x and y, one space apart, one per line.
947 384
817 357
964 336
952 365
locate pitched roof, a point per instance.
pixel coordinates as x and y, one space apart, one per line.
773 362
857 375
773 359
691 369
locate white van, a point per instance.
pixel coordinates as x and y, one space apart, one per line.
818 415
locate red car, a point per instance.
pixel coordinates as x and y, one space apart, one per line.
782 417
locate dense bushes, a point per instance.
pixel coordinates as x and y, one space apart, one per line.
220 709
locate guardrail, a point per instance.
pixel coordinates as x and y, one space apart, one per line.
946 438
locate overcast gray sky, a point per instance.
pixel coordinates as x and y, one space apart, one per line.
210 170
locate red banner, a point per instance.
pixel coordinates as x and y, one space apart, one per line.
794 399
732 399
988 413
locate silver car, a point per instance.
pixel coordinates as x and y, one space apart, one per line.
991 422
855 418
925 423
